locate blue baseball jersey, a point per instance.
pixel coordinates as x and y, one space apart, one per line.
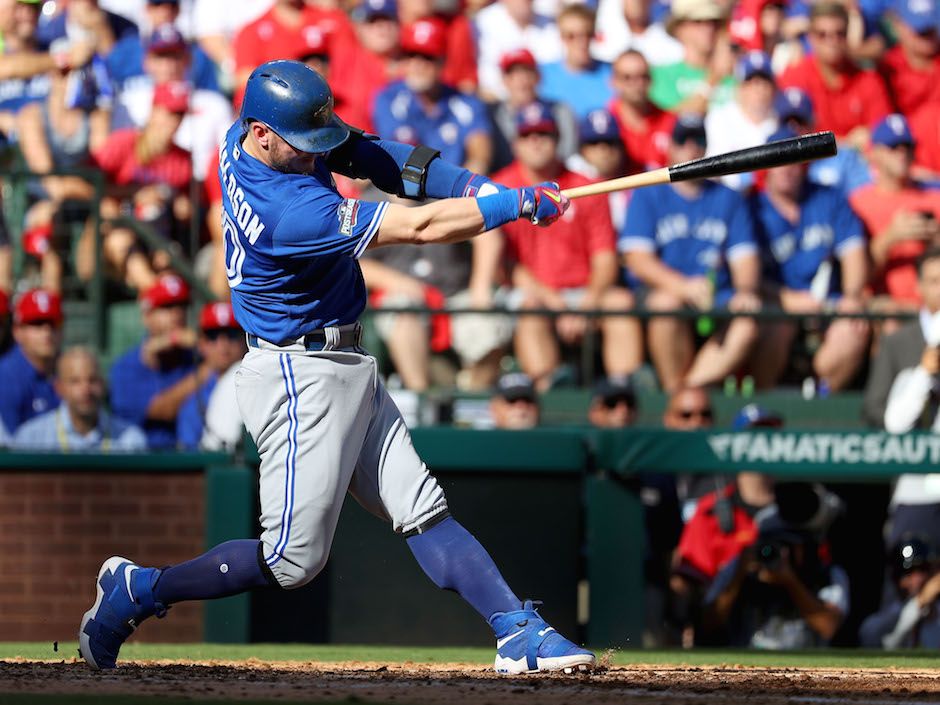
191 418
291 246
793 252
582 91
398 115
27 392
16 93
134 385
696 237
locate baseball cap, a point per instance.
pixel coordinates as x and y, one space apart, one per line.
172 95
38 305
168 290
536 117
919 15
165 39
516 57
911 551
217 315
754 63
892 131
698 10
370 9
613 389
755 416
598 126
794 104
514 386
689 126
315 44
426 37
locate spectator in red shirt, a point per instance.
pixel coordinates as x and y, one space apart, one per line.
902 218
151 174
574 269
372 66
925 126
286 31
757 25
644 127
847 99
911 68
460 62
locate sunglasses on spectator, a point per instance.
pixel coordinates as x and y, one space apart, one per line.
614 402
576 35
418 55
620 76
227 333
835 34
688 414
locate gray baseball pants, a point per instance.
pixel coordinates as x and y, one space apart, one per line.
324 425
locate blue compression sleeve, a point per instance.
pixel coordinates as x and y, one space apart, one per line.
228 569
381 161
454 560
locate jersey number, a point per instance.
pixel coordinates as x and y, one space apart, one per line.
234 251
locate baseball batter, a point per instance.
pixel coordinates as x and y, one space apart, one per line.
310 396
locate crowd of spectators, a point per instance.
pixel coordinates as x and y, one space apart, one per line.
141 91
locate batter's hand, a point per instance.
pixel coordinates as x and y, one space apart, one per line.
543 203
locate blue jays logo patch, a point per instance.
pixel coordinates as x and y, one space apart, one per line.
348 214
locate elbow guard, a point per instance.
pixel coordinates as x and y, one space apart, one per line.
414 173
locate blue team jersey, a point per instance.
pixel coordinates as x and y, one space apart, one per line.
695 237
27 392
291 246
582 91
191 418
134 385
16 93
398 116
793 252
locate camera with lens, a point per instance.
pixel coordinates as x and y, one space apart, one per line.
770 551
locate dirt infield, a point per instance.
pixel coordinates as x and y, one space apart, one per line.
449 684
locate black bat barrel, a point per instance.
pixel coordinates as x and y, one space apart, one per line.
766 156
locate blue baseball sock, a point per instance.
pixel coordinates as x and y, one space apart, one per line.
454 560
228 569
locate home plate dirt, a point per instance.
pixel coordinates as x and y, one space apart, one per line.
450 684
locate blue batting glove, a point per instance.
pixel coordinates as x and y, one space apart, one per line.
543 203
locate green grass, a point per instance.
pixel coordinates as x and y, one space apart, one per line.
829 658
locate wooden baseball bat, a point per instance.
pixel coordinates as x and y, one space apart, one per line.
817 145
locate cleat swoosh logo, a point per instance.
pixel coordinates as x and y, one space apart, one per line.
500 643
545 631
127 581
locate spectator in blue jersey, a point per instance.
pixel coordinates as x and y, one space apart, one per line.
150 382
221 345
126 61
578 79
691 244
80 423
815 259
26 371
847 170
422 109
25 63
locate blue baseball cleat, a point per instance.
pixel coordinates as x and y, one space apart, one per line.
124 599
526 644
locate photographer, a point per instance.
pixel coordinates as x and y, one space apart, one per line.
902 395
911 619
781 593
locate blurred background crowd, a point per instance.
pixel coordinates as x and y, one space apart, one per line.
822 278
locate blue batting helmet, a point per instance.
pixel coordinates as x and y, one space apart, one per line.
297 103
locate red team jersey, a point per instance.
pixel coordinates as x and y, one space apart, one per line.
925 126
560 256
910 88
876 208
646 147
117 159
266 39
859 98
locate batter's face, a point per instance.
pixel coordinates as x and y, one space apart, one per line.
284 158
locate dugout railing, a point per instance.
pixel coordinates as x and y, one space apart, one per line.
558 508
